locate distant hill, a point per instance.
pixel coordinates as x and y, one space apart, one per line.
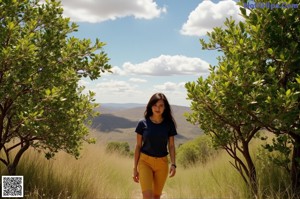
117 122
115 106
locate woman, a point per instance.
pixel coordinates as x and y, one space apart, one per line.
155 133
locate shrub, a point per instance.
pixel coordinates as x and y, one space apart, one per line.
199 150
121 148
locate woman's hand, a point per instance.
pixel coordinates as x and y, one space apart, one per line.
172 171
135 175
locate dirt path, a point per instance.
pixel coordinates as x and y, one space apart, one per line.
137 194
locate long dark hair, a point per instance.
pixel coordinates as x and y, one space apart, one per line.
167 114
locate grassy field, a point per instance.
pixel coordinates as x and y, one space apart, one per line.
97 175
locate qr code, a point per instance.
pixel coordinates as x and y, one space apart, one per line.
12 186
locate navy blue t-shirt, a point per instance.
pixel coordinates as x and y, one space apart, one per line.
155 136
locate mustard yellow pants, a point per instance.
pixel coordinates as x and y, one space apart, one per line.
153 173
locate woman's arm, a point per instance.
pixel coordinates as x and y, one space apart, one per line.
171 145
137 150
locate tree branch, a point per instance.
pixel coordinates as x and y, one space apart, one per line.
7 155
220 116
4 162
20 153
22 142
252 133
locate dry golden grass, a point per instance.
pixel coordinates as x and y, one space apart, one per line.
94 175
97 175
216 179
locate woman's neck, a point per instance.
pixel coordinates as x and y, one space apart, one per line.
156 118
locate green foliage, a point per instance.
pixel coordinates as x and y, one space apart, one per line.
280 151
197 151
255 85
121 148
41 102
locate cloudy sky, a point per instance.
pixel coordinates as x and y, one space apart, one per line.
153 46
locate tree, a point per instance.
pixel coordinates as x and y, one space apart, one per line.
42 104
217 105
278 30
121 148
255 85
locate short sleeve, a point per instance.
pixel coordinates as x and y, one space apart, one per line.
172 131
140 127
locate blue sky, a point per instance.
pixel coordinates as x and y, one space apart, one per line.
153 46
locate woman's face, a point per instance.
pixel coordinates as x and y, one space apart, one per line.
158 108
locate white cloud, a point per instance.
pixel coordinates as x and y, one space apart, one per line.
101 10
166 65
137 80
116 91
115 86
209 15
107 93
115 70
169 86
175 92
131 91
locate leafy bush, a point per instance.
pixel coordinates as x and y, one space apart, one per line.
199 150
121 148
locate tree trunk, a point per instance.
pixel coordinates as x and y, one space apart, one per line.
252 171
12 168
295 168
253 179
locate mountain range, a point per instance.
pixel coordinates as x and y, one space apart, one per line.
117 122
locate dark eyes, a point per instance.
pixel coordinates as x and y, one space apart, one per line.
161 106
